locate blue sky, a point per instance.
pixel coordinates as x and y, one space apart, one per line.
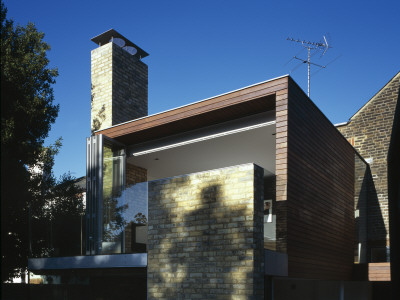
199 49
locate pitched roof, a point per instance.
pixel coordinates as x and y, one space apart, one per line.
397 76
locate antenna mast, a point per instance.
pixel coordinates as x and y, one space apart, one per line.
321 46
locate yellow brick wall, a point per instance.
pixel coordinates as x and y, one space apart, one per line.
206 235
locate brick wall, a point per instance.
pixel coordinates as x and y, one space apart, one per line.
135 174
205 235
118 87
129 87
362 178
101 87
369 131
394 200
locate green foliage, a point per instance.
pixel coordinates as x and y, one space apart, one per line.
56 218
29 192
140 218
27 109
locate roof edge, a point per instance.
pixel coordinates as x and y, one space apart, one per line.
209 98
373 97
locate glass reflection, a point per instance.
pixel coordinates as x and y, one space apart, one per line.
124 209
113 204
270 213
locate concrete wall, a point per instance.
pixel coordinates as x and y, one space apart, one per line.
205 235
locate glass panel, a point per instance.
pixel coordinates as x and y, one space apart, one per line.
135 218
360 209
116 215
269 213
125 220
112 230
124 209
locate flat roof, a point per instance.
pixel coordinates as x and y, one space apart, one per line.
235 104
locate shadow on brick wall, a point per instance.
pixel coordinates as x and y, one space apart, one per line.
375 225
208 261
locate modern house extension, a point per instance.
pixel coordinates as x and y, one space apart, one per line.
252 194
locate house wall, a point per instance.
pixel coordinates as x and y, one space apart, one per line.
394 200
369 131
320 193
281 168
135 174
101 87
118 87
130 85
362 182
205 235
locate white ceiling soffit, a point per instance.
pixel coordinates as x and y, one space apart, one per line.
201 139
247 140
202 134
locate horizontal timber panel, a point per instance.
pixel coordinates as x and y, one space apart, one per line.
379 272
324 198
320 193
247 101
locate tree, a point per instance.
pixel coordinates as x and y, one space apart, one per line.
28 187
55 209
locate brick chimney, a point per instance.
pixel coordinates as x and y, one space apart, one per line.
119 81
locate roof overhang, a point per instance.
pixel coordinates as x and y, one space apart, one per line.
245 140
230 106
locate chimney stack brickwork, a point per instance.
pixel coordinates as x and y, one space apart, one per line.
119 87
101 87
130 83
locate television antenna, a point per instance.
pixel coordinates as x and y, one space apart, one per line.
317 46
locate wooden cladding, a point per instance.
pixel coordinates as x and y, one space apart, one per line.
314 171
320 193
281 169
223 108
379 271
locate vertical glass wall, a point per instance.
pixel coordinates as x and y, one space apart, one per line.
112 206
269 213
125 220
135 215
360 209
116 215
124 207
